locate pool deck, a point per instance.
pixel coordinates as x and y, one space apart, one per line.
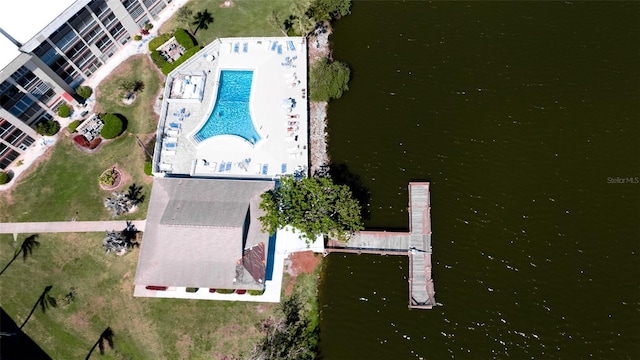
283 147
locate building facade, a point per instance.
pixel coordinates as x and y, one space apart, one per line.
60 57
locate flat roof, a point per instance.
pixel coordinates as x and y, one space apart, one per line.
279 66
19 19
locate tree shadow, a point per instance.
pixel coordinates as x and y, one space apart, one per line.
341 175
105 337
26 248
15 343
202 20
134 193
45 301
125 122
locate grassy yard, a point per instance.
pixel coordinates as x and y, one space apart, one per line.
143 328
66 185
245 18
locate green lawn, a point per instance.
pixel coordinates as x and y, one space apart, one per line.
66 185
245 18
144 328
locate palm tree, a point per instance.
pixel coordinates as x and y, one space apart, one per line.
107 335
202 20
183 15
45 301
26 248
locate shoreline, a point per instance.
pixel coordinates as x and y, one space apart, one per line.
318 47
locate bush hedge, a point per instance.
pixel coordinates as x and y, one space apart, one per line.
168 67
113 126
225 291
255 292
148 167
159 40
48 127
74 125
184 38
4 178
158 59
137 37
64 111
84 92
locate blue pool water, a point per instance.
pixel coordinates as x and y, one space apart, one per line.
230 114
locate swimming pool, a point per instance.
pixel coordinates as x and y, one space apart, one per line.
230 114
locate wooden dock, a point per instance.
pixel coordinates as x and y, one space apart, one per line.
416 244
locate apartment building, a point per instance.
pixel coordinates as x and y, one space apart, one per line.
42 62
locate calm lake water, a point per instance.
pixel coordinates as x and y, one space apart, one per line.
525 117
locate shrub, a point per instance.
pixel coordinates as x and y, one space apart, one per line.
183 38
64 111
225 291
95 142
148 167
84 92
148 26
168 67
255 292
4 178
158 59
192 289
159 40
74 125
137 37
113 126
48 127
328 80
81 141
108 177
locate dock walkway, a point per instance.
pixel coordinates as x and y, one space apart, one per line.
416 244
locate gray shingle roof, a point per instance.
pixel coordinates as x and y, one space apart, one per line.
196 232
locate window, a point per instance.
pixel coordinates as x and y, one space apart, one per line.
40 89
3 148
136 11
5 127
8 159
47 53
26 142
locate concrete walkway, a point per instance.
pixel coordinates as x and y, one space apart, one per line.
67 226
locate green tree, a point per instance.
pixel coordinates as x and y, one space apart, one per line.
202 20
328 80
183 15
48 127
84 92
64 111
290 337
325 10
314 206
26 248
299 20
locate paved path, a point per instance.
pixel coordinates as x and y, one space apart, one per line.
66 226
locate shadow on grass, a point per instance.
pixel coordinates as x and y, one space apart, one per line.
105 337
45 301
15 343
26 248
